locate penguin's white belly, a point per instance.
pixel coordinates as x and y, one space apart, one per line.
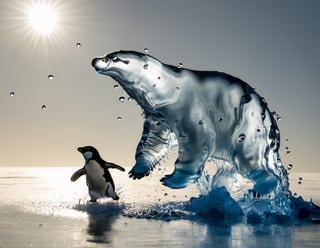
95 180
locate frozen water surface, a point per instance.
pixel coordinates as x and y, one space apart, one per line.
41 207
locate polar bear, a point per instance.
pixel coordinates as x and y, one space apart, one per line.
207 114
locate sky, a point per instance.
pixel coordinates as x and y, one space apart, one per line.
272 45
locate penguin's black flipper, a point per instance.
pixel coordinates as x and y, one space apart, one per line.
113 166
75 176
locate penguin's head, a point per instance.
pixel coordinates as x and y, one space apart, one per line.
89 152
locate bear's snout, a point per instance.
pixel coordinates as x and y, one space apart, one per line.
95 61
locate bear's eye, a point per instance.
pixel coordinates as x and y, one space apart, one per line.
115 59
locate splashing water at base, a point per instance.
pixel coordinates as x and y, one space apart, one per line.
185 109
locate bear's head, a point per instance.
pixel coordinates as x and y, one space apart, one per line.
142 76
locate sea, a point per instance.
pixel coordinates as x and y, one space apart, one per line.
41 207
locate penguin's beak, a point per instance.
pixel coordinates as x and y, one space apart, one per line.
80 149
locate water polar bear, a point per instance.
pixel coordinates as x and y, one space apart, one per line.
208 114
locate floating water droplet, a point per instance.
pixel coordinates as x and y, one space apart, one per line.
165 194
180 65
300 182
200 122
122 98
220 118
159 78
78 45
289 166
287 152
146 50
12 93
154 85
258 130
241 138
300 178
116 86
51 77
119 118
177 88
43 107
145 66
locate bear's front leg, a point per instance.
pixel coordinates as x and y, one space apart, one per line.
155 142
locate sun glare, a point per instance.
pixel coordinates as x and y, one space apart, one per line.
42 18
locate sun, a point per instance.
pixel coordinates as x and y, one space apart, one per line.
42 18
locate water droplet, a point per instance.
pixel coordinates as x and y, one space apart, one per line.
146 50
200 122
43 107
241 138
220 118
12 93
154 85
116 86
177 88
289 166
145 66
287 152
300 178
258 130
78 45
295 194
119 118
159 78
299 182
165 194
180 65
122 98
51 77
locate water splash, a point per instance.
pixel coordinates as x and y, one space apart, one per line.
208 115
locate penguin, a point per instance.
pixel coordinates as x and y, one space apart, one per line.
98 177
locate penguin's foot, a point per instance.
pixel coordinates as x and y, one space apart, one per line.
115 197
